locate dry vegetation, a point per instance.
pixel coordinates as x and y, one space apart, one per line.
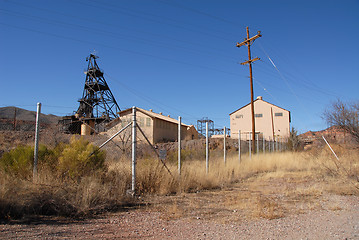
266 186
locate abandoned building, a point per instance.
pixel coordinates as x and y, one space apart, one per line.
156 126
271 121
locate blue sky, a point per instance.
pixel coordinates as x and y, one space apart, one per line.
180 57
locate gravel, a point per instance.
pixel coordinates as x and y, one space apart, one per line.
339 223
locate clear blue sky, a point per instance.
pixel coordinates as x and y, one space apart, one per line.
180 57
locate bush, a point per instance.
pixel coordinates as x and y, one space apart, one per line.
19 162
80 158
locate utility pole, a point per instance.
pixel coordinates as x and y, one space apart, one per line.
248 41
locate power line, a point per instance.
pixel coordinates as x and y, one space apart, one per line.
199 12
112 24
120 49
149 19
115 35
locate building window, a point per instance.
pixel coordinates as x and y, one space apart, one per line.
239 116
278 114
142 121
148 122
258 115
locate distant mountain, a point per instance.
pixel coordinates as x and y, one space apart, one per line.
26 115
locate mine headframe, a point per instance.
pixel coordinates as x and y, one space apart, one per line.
97 107
97 100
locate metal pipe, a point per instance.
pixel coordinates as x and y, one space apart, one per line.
239 146
207 150
179 145
134 143
113 136
250 149
224 145
264 144
36 148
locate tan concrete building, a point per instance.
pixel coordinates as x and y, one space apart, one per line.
271 121
157 127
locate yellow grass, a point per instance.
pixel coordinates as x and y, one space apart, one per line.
269 184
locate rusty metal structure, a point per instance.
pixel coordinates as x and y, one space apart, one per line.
97 107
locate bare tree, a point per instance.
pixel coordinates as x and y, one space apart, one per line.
345 116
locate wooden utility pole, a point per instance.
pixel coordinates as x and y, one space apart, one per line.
248 41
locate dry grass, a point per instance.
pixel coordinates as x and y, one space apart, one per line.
266 186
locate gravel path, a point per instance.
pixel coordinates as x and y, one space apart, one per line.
340 223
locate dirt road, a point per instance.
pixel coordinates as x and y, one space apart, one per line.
341 222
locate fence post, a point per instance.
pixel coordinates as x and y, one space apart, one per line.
224 145
250 146
36 148
273 149
257 138
179 145
134 143
239 146
207 150
264 144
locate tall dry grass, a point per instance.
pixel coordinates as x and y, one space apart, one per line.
106 190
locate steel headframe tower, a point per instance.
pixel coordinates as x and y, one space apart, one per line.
97 102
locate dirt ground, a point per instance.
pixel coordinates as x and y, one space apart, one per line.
285 207
231 213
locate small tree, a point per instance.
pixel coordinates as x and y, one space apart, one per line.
345 116
294 142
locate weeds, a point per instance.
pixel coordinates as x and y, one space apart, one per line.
72 182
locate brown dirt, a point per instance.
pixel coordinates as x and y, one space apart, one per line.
267 211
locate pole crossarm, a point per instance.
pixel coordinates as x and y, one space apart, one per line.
250 61
248 41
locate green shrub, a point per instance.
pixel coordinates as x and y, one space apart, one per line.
18 162
80 158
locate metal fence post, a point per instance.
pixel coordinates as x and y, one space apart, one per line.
264 144
224 145
134 143
257 138
179 145
250 146
273 149
207 150
239 146
36 148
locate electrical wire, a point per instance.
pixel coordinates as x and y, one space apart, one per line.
116 35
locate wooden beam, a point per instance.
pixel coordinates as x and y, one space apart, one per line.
250 61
